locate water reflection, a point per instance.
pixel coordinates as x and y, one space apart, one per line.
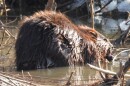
81 75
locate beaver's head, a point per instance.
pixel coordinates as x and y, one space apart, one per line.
102 46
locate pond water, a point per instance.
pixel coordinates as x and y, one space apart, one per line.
82 75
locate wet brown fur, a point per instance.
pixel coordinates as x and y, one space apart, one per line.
62 21
33 40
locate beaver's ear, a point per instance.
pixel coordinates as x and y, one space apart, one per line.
93 33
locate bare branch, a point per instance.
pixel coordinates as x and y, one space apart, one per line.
105 71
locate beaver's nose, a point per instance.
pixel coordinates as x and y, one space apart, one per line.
109 58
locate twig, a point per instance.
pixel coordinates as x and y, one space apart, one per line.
5 9
104 6
30 75
6 41
51 5
115 57
102 75
12 81
121 73
20 11
9 49
23 74
122 38
127 22
2 37
8 26
68 82
64 4
92 13
11 21
5 30
122 80
19 80
6 82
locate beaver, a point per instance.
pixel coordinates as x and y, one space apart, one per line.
49 39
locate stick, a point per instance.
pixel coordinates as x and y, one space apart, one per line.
118 78
51 5
2 37
18 80
68 82
6 82
122 38
92 13
5 9
23 74
9 49
105 71
104 6
30 75
115 57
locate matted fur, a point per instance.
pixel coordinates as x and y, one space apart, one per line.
60 20
49 39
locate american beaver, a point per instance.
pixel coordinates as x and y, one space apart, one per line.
49 39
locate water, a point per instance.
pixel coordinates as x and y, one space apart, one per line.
82 74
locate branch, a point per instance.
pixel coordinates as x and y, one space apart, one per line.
6 79
68 82
115 57
92 13
105 71
51 5
122 37
104 6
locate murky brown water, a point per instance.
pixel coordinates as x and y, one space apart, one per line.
81 75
